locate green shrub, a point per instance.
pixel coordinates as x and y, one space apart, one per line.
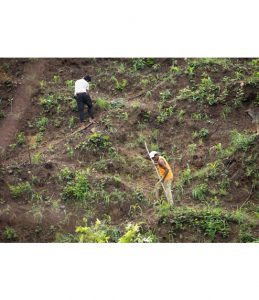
119 85
165 95
175 70
192 149
70 85
165 114
49 102
77 188
9 234
140 63
73 105
133 234
20 138
211 222
242 141
41 123
65 174
102 103
20 189
37 158
203 133
200 191
99 140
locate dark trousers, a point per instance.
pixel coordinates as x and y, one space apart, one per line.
84 99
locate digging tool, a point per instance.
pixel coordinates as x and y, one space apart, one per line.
156 169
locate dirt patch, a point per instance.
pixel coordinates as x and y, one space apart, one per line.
21 102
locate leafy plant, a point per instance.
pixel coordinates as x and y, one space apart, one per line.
200 191
41 123
133 235
77 188
203 133
56 79
102 103
65 174
49 102
20 138
37 158
175 70
242 141
165 95
165 114
191 149
70 85
119 85
9 233
20 190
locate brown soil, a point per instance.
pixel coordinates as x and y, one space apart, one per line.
21 102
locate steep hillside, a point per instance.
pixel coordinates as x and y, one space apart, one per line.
97 185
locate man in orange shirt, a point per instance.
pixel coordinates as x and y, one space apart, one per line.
166 175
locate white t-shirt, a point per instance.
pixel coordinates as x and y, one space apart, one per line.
81 86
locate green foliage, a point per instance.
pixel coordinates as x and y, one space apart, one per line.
119 86
117 103
65 174
175 70
72 122
210 222
199 117
77 188
102 103
239 97
56 79
205 92
20 138
203 133
70 151
121 68
165 114
186 175
99 140
141 63
133 234
242 141
200 191
70 85
73 105
156 67
41 123
48 102
37 158
192 149
20 190
39 138
95 142
180 115
165 95
93 234
226 111
9 234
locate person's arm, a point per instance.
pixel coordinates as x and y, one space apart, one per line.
163 165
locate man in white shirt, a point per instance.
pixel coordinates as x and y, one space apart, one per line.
82 97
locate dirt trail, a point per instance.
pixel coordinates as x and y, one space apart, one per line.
21 102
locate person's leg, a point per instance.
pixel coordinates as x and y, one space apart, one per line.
168 191
80 106
88 102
